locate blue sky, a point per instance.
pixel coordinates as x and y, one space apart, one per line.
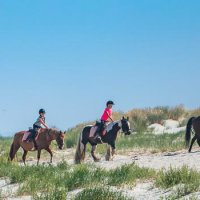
70 57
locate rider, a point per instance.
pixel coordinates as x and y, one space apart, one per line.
38 125
107 115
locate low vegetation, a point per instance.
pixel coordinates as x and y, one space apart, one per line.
100 193
55 182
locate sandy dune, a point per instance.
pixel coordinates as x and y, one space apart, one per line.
141 190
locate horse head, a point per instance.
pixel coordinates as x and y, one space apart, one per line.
126 125
59 136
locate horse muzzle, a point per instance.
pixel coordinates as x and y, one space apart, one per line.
129 132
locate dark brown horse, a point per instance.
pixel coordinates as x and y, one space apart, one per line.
193 124
44 139
109 138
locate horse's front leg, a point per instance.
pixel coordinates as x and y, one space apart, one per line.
110 152
38 156
93 154
50 152
24 156
113 152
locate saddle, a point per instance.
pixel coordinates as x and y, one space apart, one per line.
30 135
94 129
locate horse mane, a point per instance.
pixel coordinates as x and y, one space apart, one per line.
111 124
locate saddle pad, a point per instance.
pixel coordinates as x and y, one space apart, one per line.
27 133
25 136
93 131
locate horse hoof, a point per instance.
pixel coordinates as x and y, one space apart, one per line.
108 157
97 160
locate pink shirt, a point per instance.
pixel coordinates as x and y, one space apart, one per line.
105 117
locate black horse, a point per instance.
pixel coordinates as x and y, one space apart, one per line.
193 122
109 138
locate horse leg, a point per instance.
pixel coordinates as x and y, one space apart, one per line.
110 152
113 149
108 155
93 153
113 152
24 156
50 152
198 141
38 156
192 142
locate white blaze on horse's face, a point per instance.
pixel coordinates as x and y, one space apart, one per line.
126 126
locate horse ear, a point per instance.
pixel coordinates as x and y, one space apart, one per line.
123 118
65 132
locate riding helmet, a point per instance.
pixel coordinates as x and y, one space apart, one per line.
42 111
110 102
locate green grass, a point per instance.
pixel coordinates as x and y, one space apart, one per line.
184 175
53 182
44 179
128 174
100 193
164 142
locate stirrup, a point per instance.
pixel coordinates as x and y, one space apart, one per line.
98 139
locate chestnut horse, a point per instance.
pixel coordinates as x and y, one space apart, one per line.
44 139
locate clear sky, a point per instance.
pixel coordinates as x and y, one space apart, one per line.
71 56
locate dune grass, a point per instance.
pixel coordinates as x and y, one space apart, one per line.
184 181
54 182
48 181
184 176
148 141
100 193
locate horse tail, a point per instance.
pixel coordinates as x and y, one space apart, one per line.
80 150
14 147
188 131
11 152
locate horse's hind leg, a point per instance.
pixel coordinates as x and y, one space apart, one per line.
50 152
93 153
192 142
24 156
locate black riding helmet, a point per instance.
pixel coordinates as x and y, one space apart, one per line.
110 102
42 111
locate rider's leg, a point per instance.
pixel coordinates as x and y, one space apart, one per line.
98 133
35 130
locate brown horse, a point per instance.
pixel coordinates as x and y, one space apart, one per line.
44 139
193 122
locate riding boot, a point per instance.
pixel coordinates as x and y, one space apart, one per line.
34 137
98 139
35 144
